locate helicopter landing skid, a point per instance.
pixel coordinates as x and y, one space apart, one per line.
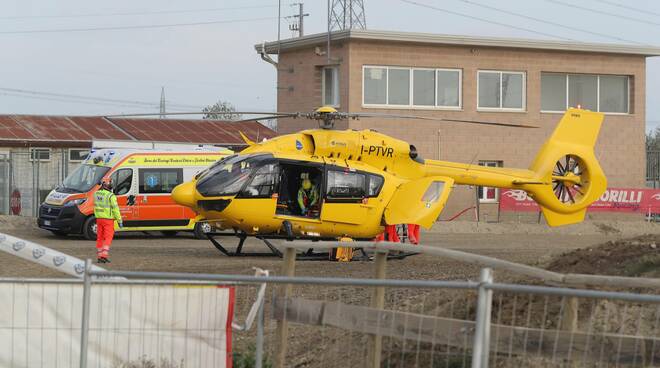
308 255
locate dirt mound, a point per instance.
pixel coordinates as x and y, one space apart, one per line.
635 257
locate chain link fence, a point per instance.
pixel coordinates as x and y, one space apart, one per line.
28 175
653 168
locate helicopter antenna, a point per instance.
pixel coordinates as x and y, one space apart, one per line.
469 166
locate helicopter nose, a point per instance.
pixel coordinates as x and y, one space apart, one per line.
184 194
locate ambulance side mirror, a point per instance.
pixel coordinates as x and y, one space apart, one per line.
130 201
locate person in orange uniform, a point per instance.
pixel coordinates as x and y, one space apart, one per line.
106 212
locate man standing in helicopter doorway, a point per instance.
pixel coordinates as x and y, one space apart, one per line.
308 196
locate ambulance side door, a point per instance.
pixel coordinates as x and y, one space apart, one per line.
124 187
155 206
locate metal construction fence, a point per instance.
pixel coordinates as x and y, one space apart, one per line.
323 322
26 178
143 319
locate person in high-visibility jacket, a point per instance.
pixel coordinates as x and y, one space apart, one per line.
308 197
106 212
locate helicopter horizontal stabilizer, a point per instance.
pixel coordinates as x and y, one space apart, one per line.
247 140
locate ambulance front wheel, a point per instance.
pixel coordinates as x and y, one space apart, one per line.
89 228
201 228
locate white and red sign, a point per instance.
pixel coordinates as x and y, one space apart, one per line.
633 200
15 202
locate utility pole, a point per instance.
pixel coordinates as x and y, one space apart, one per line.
162 103
299 27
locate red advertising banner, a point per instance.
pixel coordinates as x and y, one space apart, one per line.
632 200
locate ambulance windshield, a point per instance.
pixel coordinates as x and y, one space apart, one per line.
227 177
83 178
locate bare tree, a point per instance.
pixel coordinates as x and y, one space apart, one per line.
221 110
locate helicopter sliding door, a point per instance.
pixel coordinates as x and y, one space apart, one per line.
419 201
347 194
259 195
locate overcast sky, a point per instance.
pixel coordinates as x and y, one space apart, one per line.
45 51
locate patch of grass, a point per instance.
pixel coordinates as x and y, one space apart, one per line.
248 359
144 362
648 265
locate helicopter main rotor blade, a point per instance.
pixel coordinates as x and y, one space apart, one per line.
273 113
491 123
396 116
291 115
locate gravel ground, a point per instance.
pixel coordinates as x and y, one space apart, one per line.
523 243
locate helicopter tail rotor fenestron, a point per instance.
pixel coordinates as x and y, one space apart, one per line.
566 163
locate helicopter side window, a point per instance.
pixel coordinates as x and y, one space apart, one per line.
227 177
433 192
264 183
375 185
345 185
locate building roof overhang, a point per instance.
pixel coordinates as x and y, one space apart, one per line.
274 47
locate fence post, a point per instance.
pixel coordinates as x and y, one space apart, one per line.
481 344
259 352
569 320
377 302
84 328
282 333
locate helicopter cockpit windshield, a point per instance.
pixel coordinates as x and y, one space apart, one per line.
227 176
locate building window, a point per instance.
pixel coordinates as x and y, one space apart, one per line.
603 93
424 87
398 86
78 155
330 86
39 154
499 90
157 181
448 88
411 87
488 194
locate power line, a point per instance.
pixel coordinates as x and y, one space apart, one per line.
592 10
182 11
92 103
63 96
643 11
150 26
96 103
548 22
485 20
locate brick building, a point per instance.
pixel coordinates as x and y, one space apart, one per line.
475 78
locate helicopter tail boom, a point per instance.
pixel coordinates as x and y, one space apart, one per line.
564 178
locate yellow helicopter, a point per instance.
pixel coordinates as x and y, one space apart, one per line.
359 181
